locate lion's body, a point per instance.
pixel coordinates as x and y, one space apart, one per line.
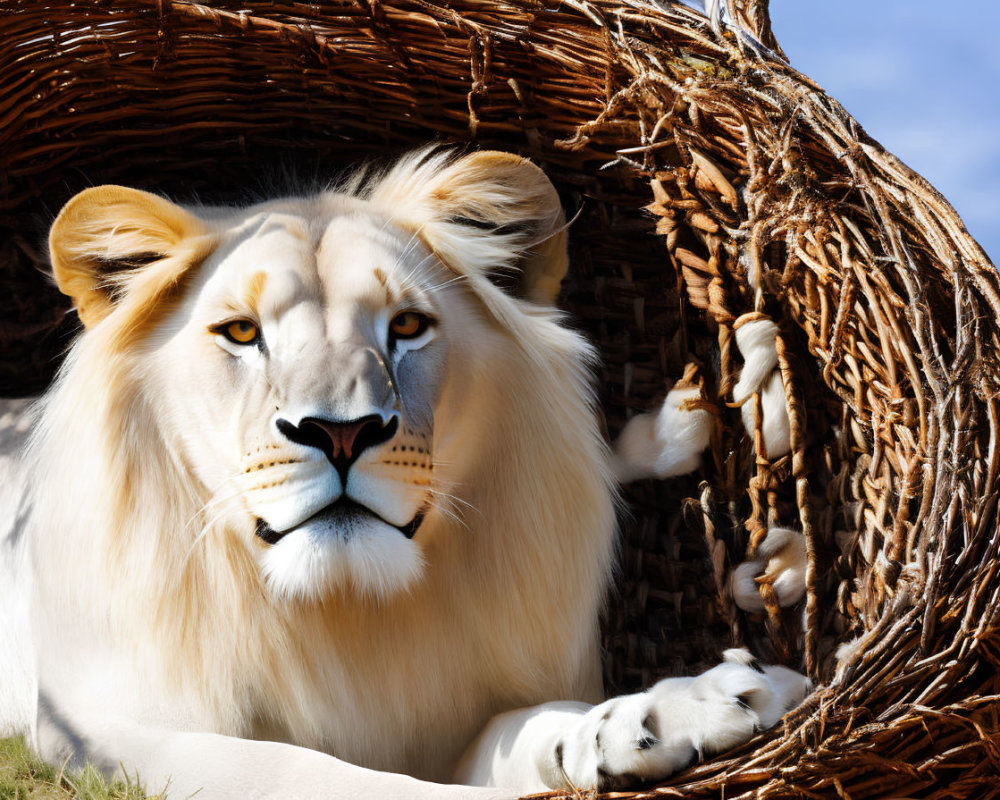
310 477
143 575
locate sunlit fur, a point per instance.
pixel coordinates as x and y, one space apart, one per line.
756 337
780 561
151 600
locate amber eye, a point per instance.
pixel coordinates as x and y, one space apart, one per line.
408 325
241 331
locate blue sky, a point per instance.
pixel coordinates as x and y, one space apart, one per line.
923 78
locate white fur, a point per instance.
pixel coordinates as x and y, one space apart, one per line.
776 427
17 684
664 444
780 561
757 341
372 560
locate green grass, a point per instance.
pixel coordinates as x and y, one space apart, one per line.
24 777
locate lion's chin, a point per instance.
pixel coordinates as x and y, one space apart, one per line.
358 552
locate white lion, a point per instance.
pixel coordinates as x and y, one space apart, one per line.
320 492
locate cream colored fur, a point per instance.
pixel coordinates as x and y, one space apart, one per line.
17 685
756 338
169 636
779 561
665 443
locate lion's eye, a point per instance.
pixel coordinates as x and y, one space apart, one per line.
241 331
409 325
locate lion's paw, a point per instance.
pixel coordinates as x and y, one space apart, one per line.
665 443
620 743
781 562
645 737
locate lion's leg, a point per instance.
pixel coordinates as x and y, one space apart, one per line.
184 764
634 738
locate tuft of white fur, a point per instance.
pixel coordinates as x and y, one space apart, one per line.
666 443
756 340
749 264
777 427
781 560
848 653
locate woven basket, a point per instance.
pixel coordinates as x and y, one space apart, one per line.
695 160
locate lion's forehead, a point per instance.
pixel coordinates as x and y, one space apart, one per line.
274 261
371 255
264 258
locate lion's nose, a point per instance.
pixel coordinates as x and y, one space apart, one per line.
341 442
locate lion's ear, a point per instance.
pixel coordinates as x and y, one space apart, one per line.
494 212
106 233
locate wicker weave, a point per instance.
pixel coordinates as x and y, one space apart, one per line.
697 159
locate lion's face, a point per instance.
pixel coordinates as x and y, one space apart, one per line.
322 341
302 348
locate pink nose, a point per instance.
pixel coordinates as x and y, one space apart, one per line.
342 435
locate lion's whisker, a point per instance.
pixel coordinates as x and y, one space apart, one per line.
449 505
448 512
215 499
207 526
449 282
410 275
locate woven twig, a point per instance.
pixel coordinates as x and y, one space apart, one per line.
763 197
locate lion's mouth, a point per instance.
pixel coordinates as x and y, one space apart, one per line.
343 509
